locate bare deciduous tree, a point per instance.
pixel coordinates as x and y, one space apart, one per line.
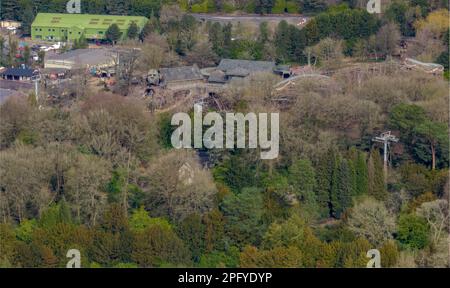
372 220
437 215
176 186
86 181
25 175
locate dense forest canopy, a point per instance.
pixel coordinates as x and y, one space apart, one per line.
98 173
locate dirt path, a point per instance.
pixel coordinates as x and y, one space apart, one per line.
297 19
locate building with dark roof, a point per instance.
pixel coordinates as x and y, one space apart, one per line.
235 68
180 77
248 65
81 58
217 76
70 27
18 74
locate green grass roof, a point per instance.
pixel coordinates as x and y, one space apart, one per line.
86 20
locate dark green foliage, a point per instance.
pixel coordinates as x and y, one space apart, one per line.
165 130
151 26
426 140
313 5
335 233
185 34
236 173
289 212
289 42
57 213
342 198
338 180
80 43
220 38
117 7
413 232
117 186
158 246
303 179
133 31
264 6
443 59
10 9
326 181
243 214
113 33
361 186
192 231
377 186
264 32
404 16
404 117
417 180
219 259
119 237
348 24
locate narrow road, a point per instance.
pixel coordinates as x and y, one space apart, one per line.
255 18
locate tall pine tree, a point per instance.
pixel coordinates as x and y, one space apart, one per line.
375 174
302 179
118 7
334 185
9 9
344 189
326 173
361 174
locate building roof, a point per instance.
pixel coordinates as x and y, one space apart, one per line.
238 71
86 20
235 65
217 76
80 57
184 73
18 72
54 71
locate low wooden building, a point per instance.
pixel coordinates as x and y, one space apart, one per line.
18 74
178 78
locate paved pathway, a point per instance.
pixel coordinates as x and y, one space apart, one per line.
225 18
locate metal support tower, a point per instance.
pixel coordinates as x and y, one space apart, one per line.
385 138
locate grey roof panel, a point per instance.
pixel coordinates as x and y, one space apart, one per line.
217 76
19 72
238 71
83 56
184 73
250 66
